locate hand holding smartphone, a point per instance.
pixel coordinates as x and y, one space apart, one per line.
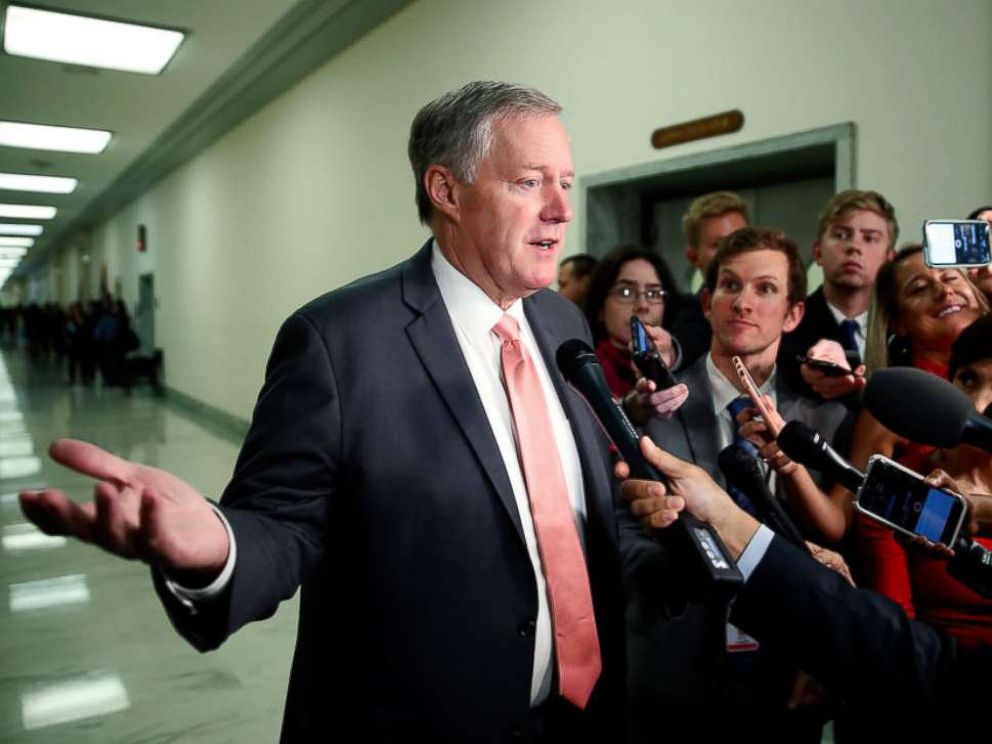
752 390
646 357
904 501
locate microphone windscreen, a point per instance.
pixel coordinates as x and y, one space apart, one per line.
736 464
918 405
573 355
801 443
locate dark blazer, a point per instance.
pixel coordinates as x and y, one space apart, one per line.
371 477
675 652
817 323
893 672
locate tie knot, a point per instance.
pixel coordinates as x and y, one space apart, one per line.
851 326
739 404
507 329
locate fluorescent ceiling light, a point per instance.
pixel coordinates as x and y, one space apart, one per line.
7 242
45 137
27 211
46 184
12 252
11 228
9 263
80 40
45 593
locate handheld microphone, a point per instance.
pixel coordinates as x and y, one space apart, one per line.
710 571
807 447
926 409
741 469
972 562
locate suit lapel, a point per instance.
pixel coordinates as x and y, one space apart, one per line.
433 338
699 420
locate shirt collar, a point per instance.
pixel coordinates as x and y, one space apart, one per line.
468 306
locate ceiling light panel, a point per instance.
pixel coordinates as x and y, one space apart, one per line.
15 242
93 42
14 228
44 184
9 253
46 137
27 211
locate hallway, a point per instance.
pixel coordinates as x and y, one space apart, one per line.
88 654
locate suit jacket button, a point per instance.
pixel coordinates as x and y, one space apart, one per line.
527 628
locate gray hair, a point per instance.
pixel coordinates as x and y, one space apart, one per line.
456 130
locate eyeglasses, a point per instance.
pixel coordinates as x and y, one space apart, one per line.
628 293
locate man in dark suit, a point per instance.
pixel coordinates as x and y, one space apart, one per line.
388 471
709 219
689 658
898 676
856 234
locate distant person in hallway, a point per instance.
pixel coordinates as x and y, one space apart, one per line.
855 237
574 274
709 219
381 472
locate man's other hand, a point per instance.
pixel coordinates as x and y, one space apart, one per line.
137 512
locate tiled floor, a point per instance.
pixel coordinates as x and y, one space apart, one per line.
86 652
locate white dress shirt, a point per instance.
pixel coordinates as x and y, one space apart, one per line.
473 314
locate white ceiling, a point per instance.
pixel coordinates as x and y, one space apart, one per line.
139 109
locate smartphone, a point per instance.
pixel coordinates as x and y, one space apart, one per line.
646 357
899 498
752 390
950 243
828 368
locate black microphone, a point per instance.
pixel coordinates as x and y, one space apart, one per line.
741 469
926 409
710 571
807 447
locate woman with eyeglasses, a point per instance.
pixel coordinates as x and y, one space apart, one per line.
631 280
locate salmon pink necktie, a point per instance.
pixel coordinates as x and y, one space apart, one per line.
572 616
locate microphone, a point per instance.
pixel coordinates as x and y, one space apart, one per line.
926 409
807 447
741 469
693 545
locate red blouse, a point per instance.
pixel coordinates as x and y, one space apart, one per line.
617 368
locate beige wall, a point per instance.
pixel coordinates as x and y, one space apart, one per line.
314 190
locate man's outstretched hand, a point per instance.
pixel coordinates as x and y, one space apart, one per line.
137 512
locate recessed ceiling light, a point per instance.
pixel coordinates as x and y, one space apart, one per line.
27 211
13 228
81 40
7 242
12 253
46 137
46 184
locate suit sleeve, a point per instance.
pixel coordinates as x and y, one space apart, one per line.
278 501
860 645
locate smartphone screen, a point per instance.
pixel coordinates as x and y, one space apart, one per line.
639 334
904 501
957 243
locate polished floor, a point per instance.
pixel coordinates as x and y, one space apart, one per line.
86 652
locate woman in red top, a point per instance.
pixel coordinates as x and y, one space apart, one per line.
633 281
921 313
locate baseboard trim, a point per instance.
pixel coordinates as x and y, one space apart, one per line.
228 426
